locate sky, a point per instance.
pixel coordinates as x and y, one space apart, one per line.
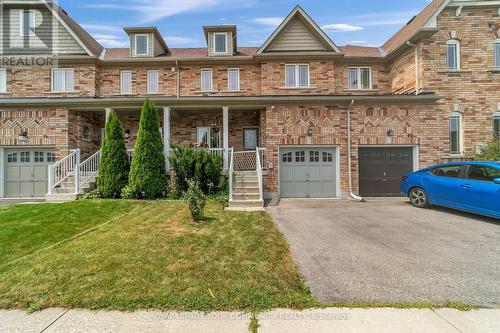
354 22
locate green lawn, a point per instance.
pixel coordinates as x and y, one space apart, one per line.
152 258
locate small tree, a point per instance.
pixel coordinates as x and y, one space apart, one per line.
114 166
196 200
490 153
148 176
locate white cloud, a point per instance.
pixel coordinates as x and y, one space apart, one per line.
111 40
269 21
154 10
178 40
341 27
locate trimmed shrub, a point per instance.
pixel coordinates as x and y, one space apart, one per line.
148 176
196 200
114 166
198 164
490 153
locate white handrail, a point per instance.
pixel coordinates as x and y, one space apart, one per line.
89 168
62 169
231 171
259 172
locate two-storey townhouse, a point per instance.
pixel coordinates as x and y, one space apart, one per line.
332 120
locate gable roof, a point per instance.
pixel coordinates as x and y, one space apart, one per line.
298 13
88 42
414 26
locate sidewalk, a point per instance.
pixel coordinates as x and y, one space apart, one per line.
277 321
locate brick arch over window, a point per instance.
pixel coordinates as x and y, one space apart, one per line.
453 35
496 30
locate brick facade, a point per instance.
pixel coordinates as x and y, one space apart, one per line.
473 90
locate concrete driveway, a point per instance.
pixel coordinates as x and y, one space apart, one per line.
389 251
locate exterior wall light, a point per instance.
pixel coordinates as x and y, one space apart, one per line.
390 132
23 136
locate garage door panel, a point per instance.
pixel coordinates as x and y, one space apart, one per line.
12 172
308 172
40 172
26 172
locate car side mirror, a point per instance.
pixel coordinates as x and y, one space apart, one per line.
496 180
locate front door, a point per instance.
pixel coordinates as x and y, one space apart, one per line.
209 137
381 168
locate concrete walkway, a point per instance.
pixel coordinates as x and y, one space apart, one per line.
276 321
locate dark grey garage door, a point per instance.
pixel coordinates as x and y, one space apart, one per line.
381 168
308 172
26 172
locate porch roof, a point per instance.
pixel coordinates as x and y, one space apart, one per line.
240 102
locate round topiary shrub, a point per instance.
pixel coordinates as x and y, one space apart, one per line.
148 176
114 166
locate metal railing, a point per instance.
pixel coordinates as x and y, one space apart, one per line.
89 168
259 170
231 171
63 169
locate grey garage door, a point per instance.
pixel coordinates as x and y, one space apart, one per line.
381 168
308 172
26 172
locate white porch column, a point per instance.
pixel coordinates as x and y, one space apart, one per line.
166 135
225 140
108 112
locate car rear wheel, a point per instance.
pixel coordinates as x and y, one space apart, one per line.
418 198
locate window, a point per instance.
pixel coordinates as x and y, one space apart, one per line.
206 79
300 156
63 80
220 43
296 75
455 133
208 137
3 80
313 156
152 82
27 23
39 156
126 82
360 78
453 55
452 171
287 158
327 157
86 133
51 157
496 125
496 50
141 44
482 173
233 79
12 158
25 157
250 138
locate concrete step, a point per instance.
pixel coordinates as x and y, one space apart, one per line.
60 197
246 189
246 203
246 196
246 184
63 190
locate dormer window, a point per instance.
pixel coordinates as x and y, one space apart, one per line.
220 43
141 44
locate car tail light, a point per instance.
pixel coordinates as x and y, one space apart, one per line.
403 178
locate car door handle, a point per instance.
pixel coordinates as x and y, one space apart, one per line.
466 185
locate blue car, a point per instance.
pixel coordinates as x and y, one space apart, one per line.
468 186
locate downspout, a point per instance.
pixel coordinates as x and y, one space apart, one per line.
349 158
417 68
178 76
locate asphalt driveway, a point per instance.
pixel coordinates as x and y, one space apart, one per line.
389 251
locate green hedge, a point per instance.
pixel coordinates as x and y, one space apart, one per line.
114 166
199 165
148 176
490 153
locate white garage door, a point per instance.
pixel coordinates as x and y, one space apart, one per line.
308 172
26 172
